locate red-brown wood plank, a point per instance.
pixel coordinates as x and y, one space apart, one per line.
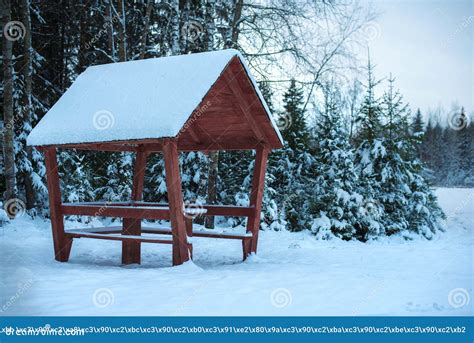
123 238
176 204
212 210
131 250
244 105
164 231
258 183
116 211
62 243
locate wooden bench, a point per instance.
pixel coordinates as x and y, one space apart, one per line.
138 210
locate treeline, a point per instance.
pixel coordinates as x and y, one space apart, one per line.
447 148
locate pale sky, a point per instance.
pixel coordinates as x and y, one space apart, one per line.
428 46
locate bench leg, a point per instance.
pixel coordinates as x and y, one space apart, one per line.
189 233
131 251
246 246
176 204
258 182
62 243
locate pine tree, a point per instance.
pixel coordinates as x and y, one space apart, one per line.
464 148
408 202
418 125
370 114
369 154
117 182
418 131
295 131
393 177
294 161
335 202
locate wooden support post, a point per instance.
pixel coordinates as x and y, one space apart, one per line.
176 205
189 231
62 243
258 183
131 250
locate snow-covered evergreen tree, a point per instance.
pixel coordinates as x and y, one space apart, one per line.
465 150
369 154
118 178
408 202
335 202
292 168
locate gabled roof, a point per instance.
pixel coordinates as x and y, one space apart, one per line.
200 99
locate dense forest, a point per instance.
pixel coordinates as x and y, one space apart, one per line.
355 165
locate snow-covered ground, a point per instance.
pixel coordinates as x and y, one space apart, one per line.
293 274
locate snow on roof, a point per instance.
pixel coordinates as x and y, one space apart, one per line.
141 99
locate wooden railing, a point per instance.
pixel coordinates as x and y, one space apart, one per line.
148 210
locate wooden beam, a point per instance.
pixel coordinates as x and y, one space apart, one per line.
258 183
131 250
148 210
176 204
214 210
193 134
119 237
244 106
62 243
100 147
133 212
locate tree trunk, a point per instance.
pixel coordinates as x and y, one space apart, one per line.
214 156
110 29
82 60
212 185
146 28
26 100
122 32
8 136
175 28
232 43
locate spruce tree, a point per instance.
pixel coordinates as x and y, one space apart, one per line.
408 202
369 153
393 176
465 150
292 169
335 202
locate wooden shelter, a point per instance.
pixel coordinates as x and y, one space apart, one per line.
199 102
